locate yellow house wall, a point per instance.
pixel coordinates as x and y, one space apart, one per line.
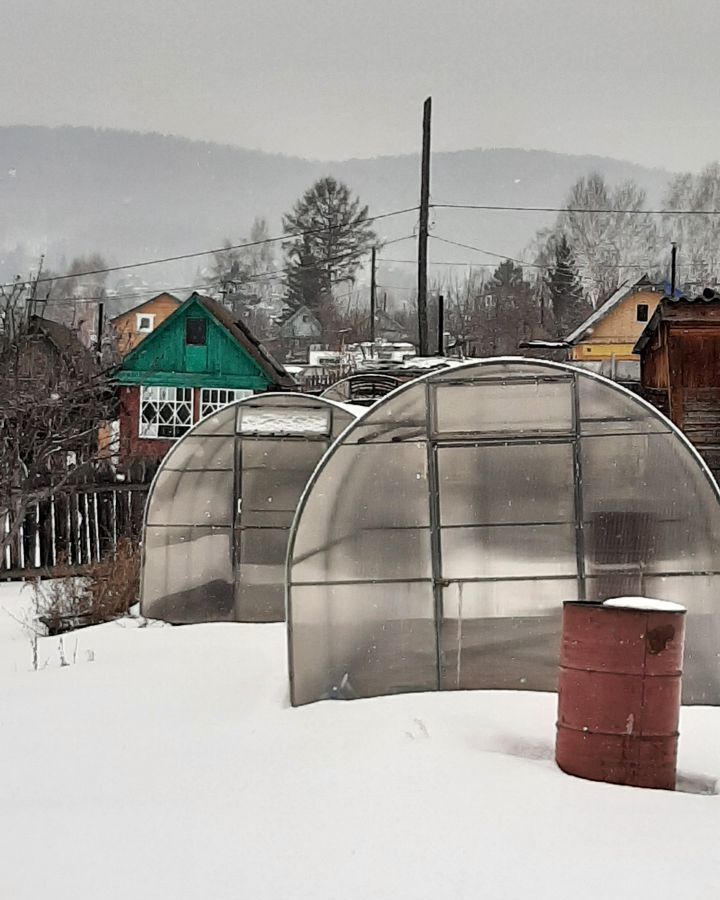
128 337
617 333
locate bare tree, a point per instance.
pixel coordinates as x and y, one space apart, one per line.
697 236
53 397
607 233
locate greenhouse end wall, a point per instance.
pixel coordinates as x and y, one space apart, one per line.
221 505
438 539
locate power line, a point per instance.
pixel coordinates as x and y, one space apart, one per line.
208 285
530 265
501 256
491 207
198 253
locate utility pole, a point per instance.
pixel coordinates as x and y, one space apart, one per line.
441 325
100 326
673 268
32 300
372 296
423 231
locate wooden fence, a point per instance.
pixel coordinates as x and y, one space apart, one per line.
78 526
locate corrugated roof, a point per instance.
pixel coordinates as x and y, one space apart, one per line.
615 299
708 297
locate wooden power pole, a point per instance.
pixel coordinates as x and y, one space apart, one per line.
373 289
423 232
441 325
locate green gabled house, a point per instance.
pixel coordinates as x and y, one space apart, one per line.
198 360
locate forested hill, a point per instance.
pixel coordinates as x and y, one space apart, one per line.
130 196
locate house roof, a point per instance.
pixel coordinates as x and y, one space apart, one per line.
613 301
289 314
246 339
141 306
238 331
707 298
60 336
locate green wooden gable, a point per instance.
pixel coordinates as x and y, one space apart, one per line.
200 345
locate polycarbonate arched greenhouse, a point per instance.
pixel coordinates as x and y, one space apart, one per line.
437 540
221 505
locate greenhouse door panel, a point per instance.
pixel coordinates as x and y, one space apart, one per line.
506 558
267 497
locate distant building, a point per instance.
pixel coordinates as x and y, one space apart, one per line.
131 327
610 332
298 330
199 359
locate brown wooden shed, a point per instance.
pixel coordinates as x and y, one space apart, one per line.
680 367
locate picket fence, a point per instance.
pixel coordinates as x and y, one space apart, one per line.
76 527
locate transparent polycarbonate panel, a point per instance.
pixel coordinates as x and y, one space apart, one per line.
400 417
699 594
363 553
520 483
360 640
370 518
506 551
187 574
611 411
201 454
503 635
192 498
499 368
260 574
219 423
507 407
645 506
275 472
535 505
342 417
283 421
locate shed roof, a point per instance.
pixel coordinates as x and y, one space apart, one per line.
698 302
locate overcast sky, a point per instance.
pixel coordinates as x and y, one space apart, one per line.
331 79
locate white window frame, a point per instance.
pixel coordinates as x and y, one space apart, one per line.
138 320
214 399
165 413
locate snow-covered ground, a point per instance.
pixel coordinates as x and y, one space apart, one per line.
166 764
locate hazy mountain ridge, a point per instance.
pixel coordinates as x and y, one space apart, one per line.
134 196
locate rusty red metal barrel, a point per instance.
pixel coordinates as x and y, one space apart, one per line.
619 691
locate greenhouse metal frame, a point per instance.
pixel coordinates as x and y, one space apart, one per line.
436 541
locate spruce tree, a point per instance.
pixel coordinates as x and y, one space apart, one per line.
564 290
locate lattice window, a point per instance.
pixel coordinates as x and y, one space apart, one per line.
165 412
213 399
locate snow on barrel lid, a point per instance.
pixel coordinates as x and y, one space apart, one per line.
645 603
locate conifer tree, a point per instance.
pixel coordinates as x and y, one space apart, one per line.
329 233
564 290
